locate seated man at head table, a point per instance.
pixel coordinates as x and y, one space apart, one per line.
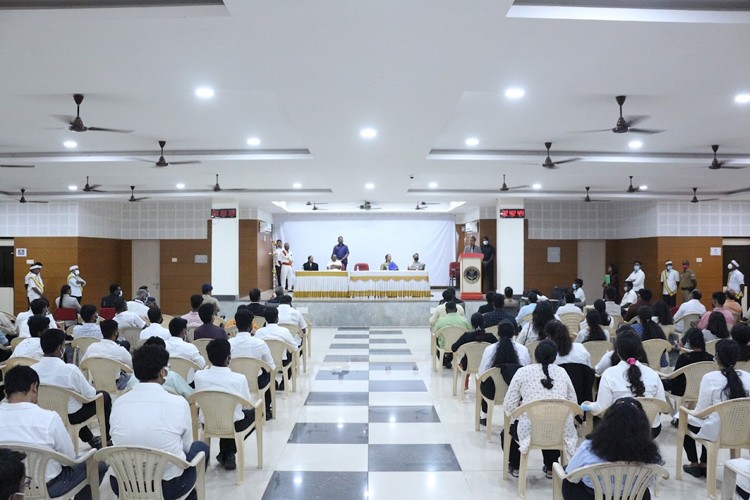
335 264
415 264
310 265
388 265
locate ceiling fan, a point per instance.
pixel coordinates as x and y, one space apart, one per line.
632 189
162 162
625 125
421 207
310 203
89 188
16 166
132 195
315 206
506 188
24 200
717 165
695 197
548 163
588 199
76 124
367 206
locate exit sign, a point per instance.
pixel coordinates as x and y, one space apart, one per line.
512 213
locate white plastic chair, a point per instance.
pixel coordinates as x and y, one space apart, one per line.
687 319
132 335
202 345
56 399
611 480
500 389
277 348
249 367
182 366
693 373
104 372
19 360
597 349
473 352
450 335
729 483
573 322
654 349
80 346
296 330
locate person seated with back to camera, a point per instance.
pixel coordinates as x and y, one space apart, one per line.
125 318
485 308
110 349
193 319
272 331
569 307
476 335
247 345
440 309
155 329
600 307
173 382
207 330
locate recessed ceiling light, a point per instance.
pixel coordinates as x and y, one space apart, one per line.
433 185
537 186
297 185
742 98
70 144
368 133
253 141
204 92
635 144
642 187
369 185
472 141
72 187
514 92
180 185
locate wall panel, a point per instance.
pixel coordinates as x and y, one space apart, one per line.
181 279
56 253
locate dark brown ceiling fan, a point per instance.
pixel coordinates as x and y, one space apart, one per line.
76 124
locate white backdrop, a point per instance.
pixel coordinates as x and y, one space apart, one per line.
370 237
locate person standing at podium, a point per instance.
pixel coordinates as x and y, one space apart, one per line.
472 246
488 265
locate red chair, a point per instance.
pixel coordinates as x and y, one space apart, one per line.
66 314
453 269
361 267
107 312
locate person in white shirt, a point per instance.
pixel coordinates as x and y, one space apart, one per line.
109 348
580 296
628 378
630 296
335 264
735 279
178 348
210 299
592 329
23 421
567 351
273 331
34 282
53 370
173 382
76 283
637 277
192 317
220 378
38 307
448 296
287 272
670 283
138 304
125 318
692 306
245 345
289 315
155 329
32 347
66 301
570 306
610 304
135 413
277 260
722 385
89 328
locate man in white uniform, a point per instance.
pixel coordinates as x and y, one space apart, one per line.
76 283
637 277
287 273
138 304
692 306
735 280
670 280
34 282
277 249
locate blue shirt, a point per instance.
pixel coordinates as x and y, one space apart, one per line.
584 456
527 309
340 251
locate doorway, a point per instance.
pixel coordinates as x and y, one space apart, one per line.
738 250
146 268
6 275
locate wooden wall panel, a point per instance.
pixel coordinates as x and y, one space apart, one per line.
126 267
642 249
249 255
57 255
488 228
181 279
100 261
544 276
709 272
264 259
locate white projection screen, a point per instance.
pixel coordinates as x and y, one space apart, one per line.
370 237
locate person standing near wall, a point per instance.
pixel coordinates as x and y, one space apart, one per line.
688 282
669 284
277 261
34 282
488 265
342 253
76 283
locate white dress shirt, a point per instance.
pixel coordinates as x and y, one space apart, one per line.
528 334
629 298
489 355
33 281
76 284
440 312
139 308
611 308
55 371
692 306
221 378
287 314
87 330
272 331
155 330
23 327
569 309
614 385
638 278
29 348
106 348
577 354
580 296
129 319
670 285
245 345
178 348
527 309
735 279
150 416
711 393
583 334
27 423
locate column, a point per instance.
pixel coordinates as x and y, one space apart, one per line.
510 246
225 253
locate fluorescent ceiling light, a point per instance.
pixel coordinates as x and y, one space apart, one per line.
180 185
72 187
433 185
368 133
514 93
297 185
70 144
369 185
253 141
642 187
472 141
204 92
742 98
536 186
635 144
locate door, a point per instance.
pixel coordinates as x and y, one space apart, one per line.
737 250
591 267
146 268
6 275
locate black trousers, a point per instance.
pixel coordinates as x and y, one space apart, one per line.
228 445
487 388
671 300
488 276
278 275
689 445
89 410
514 453
263 380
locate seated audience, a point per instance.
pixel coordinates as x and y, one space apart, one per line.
178 348
218 377
741 335
440 309
12 474
567 351
732 304
272 331
662 314
90 327
540 316
255 307
139 304
569 307
32 347
580 296
173 382
207 330
716 386
53 370
692 306
133 420
451 318
67 301
38 307
621 436
192 317
210 299
644 299
155 329
489 306
477 334
510 302
649 330
696 354
278 292
505 354
629 298
289 315
593 330
109 348
718 299
533 298
22 421
610 302
125 318
498 313
115 293
716 327
245 345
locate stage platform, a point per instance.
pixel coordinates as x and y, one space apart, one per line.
362 313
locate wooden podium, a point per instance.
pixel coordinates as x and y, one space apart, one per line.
471 276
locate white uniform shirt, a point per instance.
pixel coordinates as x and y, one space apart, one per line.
87 330
221 378
23 326
335 265
440 312
287 314
286 257
638 278
33 280
277 255
139 308
150 416
245 345
692 306
489 355
76 283
55 371
29 348
178 348
671 284
129 319
712 386
580 296
108 349
735 279
29 424
629 298
272 331
568 309
577 354
614 385
155 330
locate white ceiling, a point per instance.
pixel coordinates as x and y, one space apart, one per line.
426 74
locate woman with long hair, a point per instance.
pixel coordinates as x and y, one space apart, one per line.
716 328
622 435
716 387
741 335
611 358
542 380
614 282
646 326
531 332
567 351
663 314
507 355
476 335
593 330
66 300
696 354
628 378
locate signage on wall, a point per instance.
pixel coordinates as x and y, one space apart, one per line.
20 252
223 213
512 213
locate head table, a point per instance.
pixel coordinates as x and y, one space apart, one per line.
362 284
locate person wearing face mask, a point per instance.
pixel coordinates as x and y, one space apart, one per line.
735 280
630 297
488 265
669 280
415 264
580 296
688 283
76 283
637 277
115 293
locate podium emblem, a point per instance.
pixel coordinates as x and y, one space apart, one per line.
471 274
